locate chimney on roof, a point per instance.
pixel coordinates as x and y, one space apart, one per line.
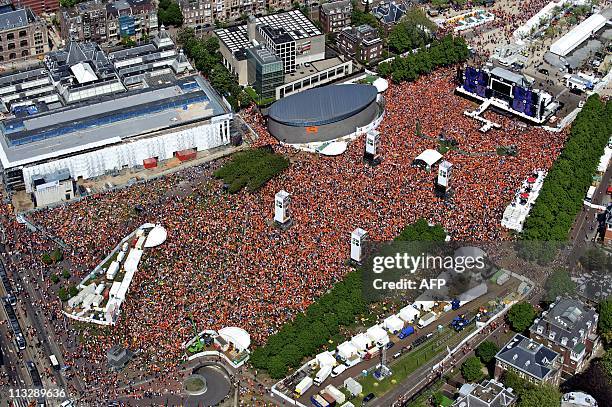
251 28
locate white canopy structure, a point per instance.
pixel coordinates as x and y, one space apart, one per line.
156 236
326 359
83 72
423 304
578 35
132 260
361 341
353 386
381 85
393 323
333 149
346 350
429 157
377 334
237 337
409 313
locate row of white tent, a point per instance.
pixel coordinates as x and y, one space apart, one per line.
377 334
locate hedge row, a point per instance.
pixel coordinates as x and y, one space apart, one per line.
252 168
445 52
571 175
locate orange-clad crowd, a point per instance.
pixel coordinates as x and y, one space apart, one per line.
225 264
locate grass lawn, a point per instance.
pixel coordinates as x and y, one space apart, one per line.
411 361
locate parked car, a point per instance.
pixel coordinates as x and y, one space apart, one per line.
369 398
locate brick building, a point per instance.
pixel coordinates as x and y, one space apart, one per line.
335 15
22 34
362 43
569 327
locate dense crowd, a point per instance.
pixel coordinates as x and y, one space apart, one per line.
225 264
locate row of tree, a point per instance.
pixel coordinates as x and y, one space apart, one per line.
251 169
567 181
207 59
310 331
444 52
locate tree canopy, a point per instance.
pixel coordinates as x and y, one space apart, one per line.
169 13
564 188
415 30
447 51
544 395
311 330
207 59
486 351
521 316
604 325
471 369
559 283
421 231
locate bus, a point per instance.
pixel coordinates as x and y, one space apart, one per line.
589 194
54 362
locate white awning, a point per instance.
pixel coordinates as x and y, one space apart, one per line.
346 350
326 359
409 313
376 333
393 323
429 157
236 336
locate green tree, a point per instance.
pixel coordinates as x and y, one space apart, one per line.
521 316
359 17
517 383
46 259
276 367
54 278
169 13
541 396
57 255
486 351
63 294
72 290
421 231
594 259
604 325
559 283
415 30
66 274
471 369
563 190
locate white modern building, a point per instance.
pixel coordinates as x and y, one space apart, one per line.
89 114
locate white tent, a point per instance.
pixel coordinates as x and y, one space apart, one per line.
326 359
429 157
237 336
353 386
346 350
393 323
156 236
409 313
377 334
361 341
381 84
424 305
578 35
